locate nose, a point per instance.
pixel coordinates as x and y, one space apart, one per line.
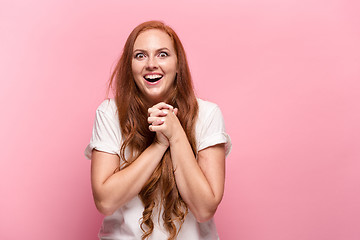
151 63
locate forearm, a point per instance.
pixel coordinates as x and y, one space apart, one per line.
125 184
191 181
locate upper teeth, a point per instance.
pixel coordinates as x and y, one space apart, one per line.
153 76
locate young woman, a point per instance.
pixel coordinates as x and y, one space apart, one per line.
157 152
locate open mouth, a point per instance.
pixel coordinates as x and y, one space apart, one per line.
153 78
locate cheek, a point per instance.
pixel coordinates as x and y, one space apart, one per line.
136 68
170 66
133 67
136 74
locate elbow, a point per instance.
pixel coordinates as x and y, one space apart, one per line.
104 208
105 204
205 215
207 211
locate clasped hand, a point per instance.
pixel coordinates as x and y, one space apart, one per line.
163 120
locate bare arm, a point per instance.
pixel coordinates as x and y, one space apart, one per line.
200 181
112 190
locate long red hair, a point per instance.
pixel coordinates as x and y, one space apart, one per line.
132 113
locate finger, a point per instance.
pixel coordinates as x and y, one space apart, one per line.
175 111
155 128
162 105
159 113
151 119
156 120
153 110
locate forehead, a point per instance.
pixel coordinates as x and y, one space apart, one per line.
153 39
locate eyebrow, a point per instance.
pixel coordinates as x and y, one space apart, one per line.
158 50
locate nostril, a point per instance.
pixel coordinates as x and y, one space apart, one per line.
151 65
151 62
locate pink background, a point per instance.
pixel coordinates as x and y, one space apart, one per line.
285 74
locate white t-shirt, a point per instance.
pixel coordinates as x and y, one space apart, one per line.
124 224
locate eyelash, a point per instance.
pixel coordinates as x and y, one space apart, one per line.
142 55
138 55
164 53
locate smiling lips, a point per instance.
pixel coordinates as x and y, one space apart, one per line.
153 78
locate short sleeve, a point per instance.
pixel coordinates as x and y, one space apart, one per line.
106 131
212 131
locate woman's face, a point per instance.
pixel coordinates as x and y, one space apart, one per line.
154 64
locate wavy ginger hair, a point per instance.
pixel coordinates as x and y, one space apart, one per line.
132 112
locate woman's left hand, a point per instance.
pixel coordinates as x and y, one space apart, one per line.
162 119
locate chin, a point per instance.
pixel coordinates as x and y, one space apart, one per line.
154 96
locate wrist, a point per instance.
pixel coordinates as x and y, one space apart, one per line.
177 137
160 146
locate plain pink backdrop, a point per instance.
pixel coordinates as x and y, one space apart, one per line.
285 74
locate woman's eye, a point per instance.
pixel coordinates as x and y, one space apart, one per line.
139 55
163 54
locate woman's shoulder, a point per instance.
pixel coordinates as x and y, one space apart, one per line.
206 107
108 106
